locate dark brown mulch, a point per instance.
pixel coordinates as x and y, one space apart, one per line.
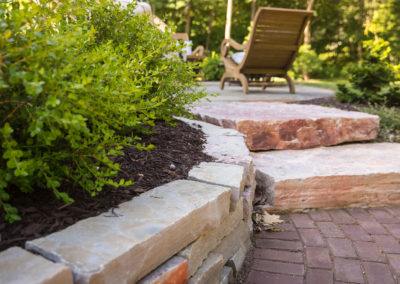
330 102
177 150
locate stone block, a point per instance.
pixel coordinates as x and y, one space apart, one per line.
18 266
234 241
174 270
353 175
232 176
290 126
126 244
226 146
210 271
197 251
227 275
237 260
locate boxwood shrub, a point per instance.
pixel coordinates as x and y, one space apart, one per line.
77 78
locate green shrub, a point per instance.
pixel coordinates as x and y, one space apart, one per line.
389 126
371 80
307 60
76 80
213 67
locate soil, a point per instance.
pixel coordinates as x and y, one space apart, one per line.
330 102
177 150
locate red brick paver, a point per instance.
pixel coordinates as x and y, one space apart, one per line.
353 245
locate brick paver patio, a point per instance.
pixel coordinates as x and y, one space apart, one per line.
352 245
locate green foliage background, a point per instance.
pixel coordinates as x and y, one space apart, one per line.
77 79
337 27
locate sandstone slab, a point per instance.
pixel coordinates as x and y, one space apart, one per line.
333 177
210 271
290 126
18 266
226 146
175 271
233 242
232 176
227 275
124 245
197 251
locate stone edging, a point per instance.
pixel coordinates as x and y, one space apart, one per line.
195 231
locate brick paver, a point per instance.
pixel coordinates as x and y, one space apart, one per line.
353 245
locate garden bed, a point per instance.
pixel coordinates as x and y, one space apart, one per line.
177 150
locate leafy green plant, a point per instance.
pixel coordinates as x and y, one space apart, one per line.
371 80
212 67
389 127
76 80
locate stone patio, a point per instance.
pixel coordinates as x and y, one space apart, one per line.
234 93
353 245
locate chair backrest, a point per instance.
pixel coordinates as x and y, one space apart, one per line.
180 36
274 41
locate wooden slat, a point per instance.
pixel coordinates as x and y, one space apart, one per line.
267 71
271 46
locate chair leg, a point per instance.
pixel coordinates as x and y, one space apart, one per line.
243 80
222 81
290 83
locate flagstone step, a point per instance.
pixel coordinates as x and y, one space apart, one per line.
290 126
333 177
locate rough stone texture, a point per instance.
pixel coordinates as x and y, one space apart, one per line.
333 177
234 241
125 246
197 251
236 261
210 271
175 270
227 275
232 176
267 183
232 150
290 126
18 266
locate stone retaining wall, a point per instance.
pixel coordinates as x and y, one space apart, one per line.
186 231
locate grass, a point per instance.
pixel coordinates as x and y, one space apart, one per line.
323 83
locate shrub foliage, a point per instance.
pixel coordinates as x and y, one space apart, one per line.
372 80
77 78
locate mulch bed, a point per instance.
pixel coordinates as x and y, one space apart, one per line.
330 102
177 150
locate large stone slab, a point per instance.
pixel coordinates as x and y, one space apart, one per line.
226 146
333 177
290 126
232 176
124 245
18 266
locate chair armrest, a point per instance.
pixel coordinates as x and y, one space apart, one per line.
230 42
198 50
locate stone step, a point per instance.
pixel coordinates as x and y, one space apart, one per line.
333 177
270 126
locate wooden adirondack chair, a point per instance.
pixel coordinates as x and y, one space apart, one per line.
275 38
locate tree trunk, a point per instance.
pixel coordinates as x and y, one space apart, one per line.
307 39
228 20
188 17
253 9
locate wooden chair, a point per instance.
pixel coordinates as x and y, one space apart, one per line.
197 53
275 38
